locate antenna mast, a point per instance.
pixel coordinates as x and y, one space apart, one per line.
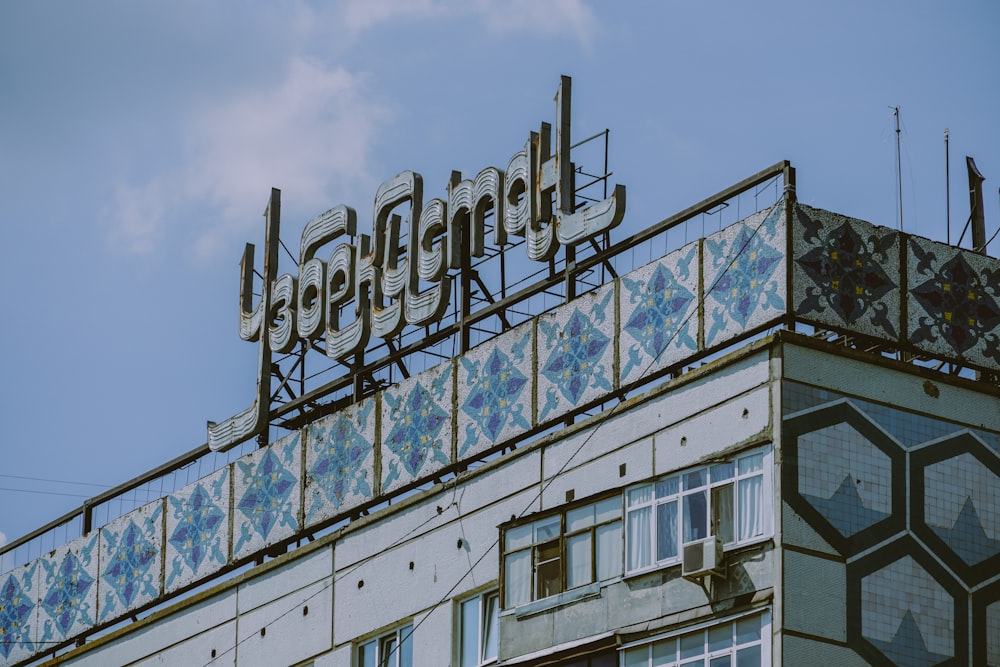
899 172
947 189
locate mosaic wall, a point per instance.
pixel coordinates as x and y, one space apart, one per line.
917 564
852 276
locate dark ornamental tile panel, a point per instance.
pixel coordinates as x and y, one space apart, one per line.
846 273
744 276
954 309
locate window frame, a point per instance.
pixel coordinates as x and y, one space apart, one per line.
400 634
711 520
560 538
708 654
482 630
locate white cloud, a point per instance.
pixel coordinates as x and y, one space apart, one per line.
313 129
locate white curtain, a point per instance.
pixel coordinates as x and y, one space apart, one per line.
640 546
578 552
751 520
609 551
517 579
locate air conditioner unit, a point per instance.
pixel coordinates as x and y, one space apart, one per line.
703 557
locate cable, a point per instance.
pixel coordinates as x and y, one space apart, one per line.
56 481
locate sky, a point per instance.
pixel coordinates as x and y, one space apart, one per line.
139 142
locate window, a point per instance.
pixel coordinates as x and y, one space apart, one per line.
730 499
575 547
394 649
480 630
738 643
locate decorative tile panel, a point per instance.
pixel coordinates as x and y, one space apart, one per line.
198 523
846 273
907 615
130 568
845 477
68 590
744 276
953 307
417 427
962 506
266 496
659 314
576 353
495 388
340 461
19 613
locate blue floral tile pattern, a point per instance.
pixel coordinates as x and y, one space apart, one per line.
576 353
18 613
197 530
659 314
953 309
416 427
266 496
962 506
907 615
68 589
340 461
495 382
744 275
130 565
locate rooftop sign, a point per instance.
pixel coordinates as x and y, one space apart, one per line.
382 283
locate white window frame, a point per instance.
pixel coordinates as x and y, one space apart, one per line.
485 624
673 489
377 649
629 653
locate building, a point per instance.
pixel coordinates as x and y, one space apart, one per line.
776 444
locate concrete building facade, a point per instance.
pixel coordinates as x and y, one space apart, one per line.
756 449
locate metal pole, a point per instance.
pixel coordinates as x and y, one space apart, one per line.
947 189
899 171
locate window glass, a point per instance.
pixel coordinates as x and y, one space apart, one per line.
546 529
517 579
748 657
666 530
692 645
366 655
720 637
724 661
470 633
637 657
752 463
668 487
406 648
491 631
695 516
609 550
639 495
578 565
580 518
547 571
518 537
723 471
664 652
695 478
722 512
609 509
748 630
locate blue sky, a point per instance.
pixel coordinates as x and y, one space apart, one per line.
139 142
